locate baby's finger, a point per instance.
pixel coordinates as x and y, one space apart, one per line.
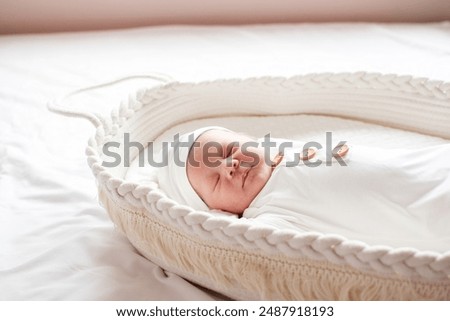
307 154
341 150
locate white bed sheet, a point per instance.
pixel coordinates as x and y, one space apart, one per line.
56 242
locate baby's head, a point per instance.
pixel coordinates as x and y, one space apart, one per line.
224 171
227 170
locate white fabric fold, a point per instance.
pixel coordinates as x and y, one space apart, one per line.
173 179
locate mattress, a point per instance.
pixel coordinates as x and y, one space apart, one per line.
57 243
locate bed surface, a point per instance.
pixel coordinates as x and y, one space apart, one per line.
56 242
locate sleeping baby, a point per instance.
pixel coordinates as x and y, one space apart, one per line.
397 197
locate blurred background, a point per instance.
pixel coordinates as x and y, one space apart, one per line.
31 16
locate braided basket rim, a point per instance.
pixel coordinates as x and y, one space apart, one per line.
408 262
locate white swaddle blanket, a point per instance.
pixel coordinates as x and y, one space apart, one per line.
393 197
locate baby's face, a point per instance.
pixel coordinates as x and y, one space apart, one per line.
227 176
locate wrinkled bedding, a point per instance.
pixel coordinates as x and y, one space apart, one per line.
56 242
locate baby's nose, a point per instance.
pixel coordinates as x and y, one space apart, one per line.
231 168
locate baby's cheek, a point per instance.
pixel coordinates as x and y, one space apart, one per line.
252 156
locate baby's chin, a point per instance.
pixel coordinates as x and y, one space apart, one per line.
238 206
256 183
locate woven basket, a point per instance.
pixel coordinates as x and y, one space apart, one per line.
226 254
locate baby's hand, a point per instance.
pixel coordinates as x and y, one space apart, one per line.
338 151
341 150
307 154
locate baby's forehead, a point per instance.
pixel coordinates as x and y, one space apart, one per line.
214 143
212 139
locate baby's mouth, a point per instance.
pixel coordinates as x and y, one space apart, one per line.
244 177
